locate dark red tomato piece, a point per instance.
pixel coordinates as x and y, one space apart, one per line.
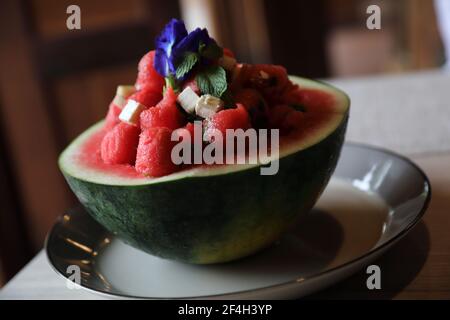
269 80
255 105
293 121
154 153
285 118
119 145
277 114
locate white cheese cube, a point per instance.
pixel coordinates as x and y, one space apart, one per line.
125 90
208 105
228 63
188 99
122 93
264 75
130 113
120 101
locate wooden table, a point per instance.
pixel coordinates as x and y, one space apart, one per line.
407 113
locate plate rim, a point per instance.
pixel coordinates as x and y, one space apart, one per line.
371 252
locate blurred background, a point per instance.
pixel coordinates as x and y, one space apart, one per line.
55 82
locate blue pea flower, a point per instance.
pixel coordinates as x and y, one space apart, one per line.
192 42
171 35
173 43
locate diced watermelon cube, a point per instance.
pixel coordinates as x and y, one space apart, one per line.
119 145
112 117
236 118
147 97
189 132
147 75
190 128
154 153
195 134
164 114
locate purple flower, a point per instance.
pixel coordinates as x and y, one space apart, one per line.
171 35
192 42
174 42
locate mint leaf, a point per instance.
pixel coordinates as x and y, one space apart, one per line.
187 63
211 51
212 80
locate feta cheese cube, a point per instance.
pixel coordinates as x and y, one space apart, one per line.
264 75
130 113
208 105
125 90
122 93
188 99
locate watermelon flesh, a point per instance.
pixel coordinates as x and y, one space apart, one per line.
112 117
264 97
146 96
237 118
164 114
153 157
119 146
300 113
147 76
324 107
209 214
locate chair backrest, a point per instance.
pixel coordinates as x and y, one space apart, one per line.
54 82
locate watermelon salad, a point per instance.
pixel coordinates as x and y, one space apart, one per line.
121 168
190 78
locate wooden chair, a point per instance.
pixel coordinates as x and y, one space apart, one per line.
53 83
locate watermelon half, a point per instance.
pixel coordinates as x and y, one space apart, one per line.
213 214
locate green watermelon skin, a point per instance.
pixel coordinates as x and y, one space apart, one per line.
219 218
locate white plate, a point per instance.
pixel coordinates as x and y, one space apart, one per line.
374 198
